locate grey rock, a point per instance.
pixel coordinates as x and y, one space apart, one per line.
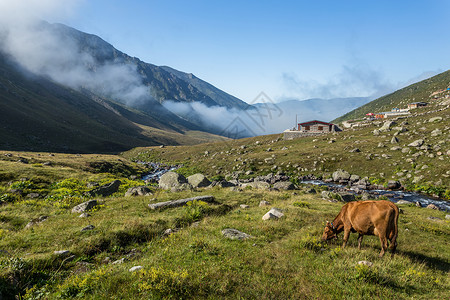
257 185
416 143
447 217
244 206
376 132
366 263
394 140
436 132
264 203
198 180
170 180
180 202
387 125
406 150
355 150
341 175
273 214
393 185
284 185
432 206
135 268
346 197
62 253
84 215
33 195
85 206
234 234
403 202
435 119
119 261
138 191
36 221
354 178
87 228
106 190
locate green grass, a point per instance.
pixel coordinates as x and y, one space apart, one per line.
284 259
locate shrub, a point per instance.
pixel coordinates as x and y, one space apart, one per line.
301 204
160 282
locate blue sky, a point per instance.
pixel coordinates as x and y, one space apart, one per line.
288 49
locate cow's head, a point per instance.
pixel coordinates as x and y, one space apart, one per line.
329 232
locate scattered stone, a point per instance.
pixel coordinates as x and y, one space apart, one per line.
33 195
346 197
106 190
405 150
138 191
393 185
244 206
87 228
234 234
284 185
36 221
403 202
432 206
355 150
198 181
85 206
434 218
416 143
84 215
387 125
341 175
262 185
447 217
181 202
273 214
135 268
170 180
264 203
380 145
418 204
436 132
354 178
365 262
119 261
376 132
62 253
394 140
435 119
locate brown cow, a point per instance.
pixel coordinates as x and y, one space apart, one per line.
378 218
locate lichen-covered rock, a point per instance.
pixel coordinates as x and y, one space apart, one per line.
273 214
284 185
234 234
341 175
170 180
198 180
138 191
106 190
85 206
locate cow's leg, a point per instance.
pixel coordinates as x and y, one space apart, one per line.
393 245
360 238
346 236
383 242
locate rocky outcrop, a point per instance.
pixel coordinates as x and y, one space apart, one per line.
198 181
85 206
138 191
170 180
181 202
105 190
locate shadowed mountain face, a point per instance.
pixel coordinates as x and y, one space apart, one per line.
38 114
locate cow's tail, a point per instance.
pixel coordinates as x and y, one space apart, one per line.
393 240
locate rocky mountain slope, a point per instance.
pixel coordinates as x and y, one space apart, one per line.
423 91
41 115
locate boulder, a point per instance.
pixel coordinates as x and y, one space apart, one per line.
181 187
354 178
416 143
273 214
284 185
181 202
170 180
393 185
135 268
346 197
198 180
85 206
264 203
435 119
394 140
138 191
387 126
341 175
105 190
432 206
234 234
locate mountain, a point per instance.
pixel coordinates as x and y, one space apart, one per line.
39 114
165 83
417 92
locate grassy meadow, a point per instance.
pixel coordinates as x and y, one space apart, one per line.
284 259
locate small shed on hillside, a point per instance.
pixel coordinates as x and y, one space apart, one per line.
416 105
316 126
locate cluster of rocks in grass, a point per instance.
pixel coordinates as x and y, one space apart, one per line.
177 182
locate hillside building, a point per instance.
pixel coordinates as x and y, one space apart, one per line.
310 128
416 105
